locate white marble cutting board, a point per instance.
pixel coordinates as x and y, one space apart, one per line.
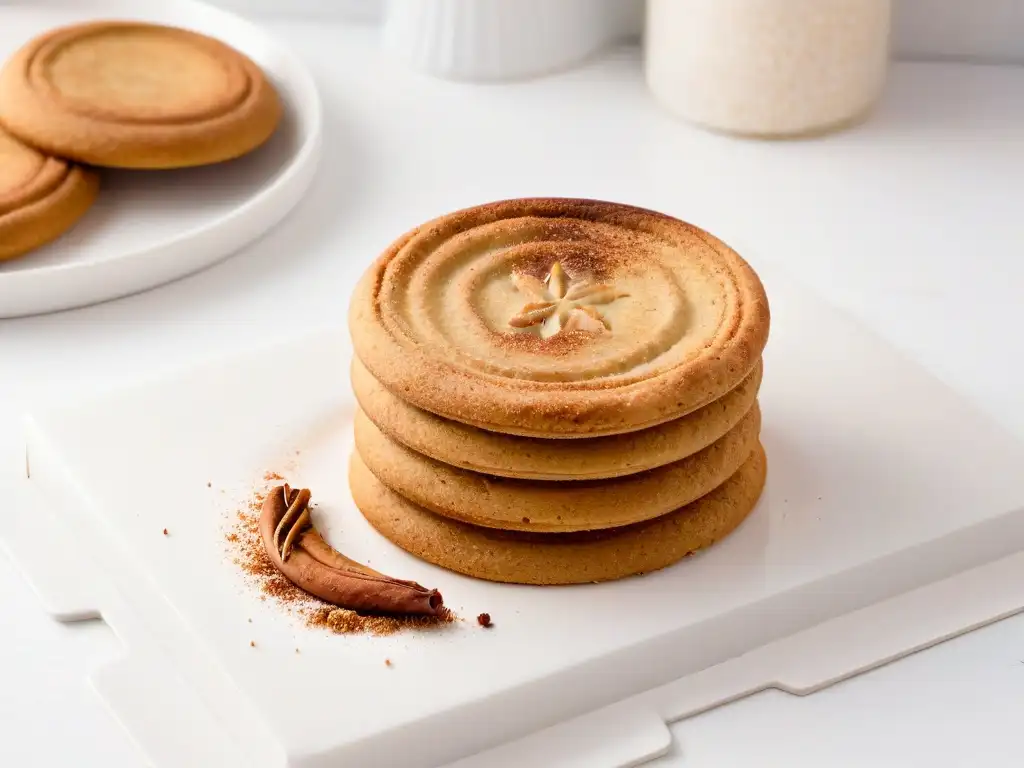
881 481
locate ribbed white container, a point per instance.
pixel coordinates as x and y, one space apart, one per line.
343 10
767 67
497 39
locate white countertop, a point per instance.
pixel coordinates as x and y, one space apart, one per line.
932 186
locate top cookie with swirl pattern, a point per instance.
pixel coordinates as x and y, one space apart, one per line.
559 318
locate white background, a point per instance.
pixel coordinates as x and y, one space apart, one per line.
911 222
976 29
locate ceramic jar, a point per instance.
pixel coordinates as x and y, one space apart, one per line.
767 67
498 39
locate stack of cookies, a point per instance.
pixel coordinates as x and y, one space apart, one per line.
116 95
557 391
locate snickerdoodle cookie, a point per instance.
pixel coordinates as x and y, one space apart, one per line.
559 318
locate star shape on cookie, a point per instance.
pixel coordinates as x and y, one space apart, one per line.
559 303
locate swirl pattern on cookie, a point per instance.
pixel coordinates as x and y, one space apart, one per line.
40 196
135 95
559 318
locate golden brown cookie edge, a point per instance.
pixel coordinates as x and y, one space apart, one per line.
45 219
536 458
529 559
542 506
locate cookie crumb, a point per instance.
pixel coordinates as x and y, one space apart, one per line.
252 643
165 531
387 662
484 620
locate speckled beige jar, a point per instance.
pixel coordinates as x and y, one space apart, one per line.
769 68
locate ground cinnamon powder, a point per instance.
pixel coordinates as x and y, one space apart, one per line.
246 548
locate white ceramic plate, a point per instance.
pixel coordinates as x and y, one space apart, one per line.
149 228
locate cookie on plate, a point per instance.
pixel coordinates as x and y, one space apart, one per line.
559 558
41 197
134 95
